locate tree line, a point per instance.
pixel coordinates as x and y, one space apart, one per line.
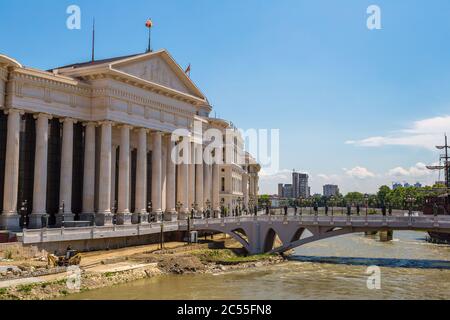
402 198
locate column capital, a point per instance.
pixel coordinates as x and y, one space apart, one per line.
105 122
90 124
42 115
68 120
157 133
146 130
124 126
12 110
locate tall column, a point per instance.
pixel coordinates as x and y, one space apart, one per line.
9 220
199 178
251 186
191 168
104 216
113 176
40 172
156 174
65 187
216 189
89 172
141 176
184 183
207 186
245 190
171 209
123 209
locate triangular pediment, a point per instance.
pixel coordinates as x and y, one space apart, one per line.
158 68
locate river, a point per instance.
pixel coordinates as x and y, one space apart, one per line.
336 268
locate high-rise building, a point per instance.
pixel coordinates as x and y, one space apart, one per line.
281 190
330 190
300 186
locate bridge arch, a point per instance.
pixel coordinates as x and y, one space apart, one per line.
237 234
269 240
330 233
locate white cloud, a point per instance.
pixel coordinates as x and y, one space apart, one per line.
417 171
359 173
425 133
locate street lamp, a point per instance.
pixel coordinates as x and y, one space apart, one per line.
208 207
23 211
149 209
410 200
239 201
222 207
332 205
62 209
366 202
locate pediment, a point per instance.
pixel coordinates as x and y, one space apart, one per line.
158 68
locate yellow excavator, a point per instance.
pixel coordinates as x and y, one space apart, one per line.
71 258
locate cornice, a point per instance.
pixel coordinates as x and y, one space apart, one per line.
51 82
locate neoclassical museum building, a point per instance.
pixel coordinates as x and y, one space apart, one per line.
93 141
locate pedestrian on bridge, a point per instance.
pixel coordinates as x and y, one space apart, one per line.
285 210
326 209
358 209
349 209
316 208
295 210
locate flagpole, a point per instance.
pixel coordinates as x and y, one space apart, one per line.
149 40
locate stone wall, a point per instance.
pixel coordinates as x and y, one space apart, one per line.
105 244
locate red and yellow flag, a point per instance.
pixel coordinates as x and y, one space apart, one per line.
149 23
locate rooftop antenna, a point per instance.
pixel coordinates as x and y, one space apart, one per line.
93 40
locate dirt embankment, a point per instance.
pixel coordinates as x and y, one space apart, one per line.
109 268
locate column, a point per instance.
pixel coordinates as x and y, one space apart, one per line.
104 216
206 186
123 209
245 190
170 182
156 174
216 189
65 187
89 172
113 176
141 176
9 220
40 172
199 178
191 168
184 184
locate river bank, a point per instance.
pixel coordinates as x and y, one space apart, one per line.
111 268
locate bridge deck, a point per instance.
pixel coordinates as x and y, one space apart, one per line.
426 223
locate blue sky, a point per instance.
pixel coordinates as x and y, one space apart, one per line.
310 68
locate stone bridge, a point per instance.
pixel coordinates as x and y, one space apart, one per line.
257 234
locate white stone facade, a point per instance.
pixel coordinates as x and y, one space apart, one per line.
79 120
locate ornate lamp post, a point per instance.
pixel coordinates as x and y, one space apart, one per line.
208 208
366 203
332 205
23 212
61 209
239 201
410 200
222 207
149 208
